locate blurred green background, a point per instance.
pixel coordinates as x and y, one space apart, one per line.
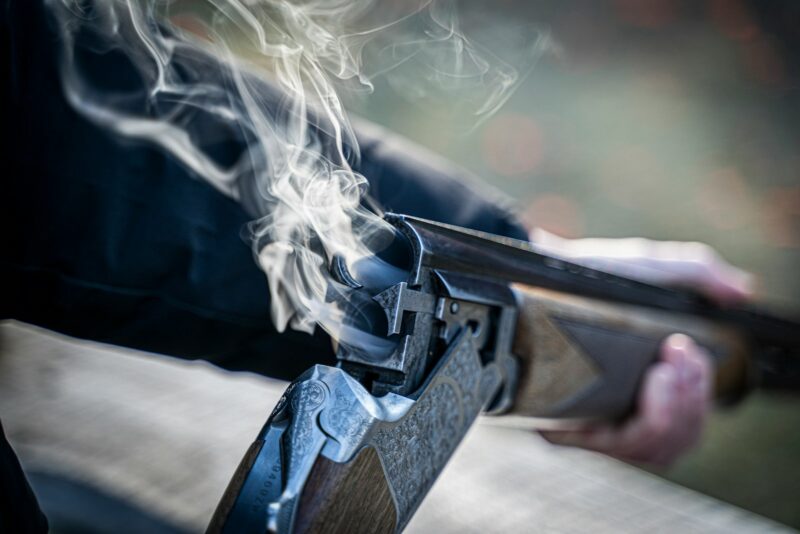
661 118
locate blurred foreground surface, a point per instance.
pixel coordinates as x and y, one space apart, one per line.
132 433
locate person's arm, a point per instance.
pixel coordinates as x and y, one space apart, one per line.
113 240
19 511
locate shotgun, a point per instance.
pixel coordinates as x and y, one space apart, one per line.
480 323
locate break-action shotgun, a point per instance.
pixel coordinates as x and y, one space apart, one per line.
479 323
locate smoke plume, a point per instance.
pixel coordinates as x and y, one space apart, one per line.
200 68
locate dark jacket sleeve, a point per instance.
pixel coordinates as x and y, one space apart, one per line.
115 241
19 511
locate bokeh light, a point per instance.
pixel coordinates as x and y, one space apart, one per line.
734 19
555 213
647 13
512 145
725 201
781 216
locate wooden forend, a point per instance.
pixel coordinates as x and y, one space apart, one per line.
584 358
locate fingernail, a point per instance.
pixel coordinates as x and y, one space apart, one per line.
680 342
689 369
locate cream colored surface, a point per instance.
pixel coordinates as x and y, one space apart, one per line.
168 434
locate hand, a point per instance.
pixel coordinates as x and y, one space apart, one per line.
676 393
669 263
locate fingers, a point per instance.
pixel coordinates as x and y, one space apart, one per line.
672 408
691 264
640 436
693 391
698 266
649 435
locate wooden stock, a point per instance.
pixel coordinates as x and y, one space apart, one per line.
351 498
585 359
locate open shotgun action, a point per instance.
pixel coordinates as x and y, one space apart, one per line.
480 323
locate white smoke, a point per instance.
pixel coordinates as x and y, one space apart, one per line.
296 173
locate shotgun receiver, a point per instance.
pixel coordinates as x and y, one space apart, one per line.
480 323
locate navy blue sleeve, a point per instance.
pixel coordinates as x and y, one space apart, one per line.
114 241
19 511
